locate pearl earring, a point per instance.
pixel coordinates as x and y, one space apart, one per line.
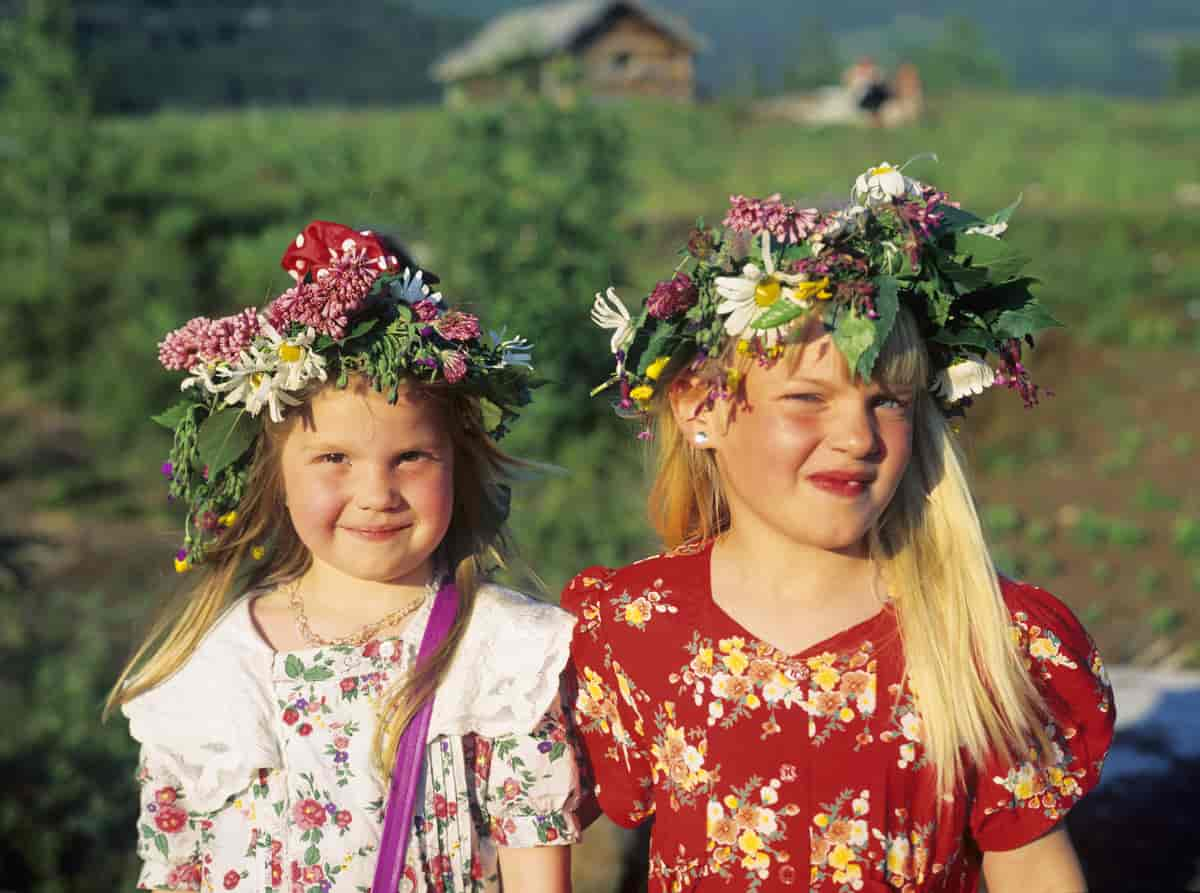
701 438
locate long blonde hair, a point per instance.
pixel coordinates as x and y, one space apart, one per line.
973 693
476 542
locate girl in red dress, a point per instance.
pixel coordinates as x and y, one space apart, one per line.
824 684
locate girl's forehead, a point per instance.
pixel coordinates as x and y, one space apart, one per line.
364 413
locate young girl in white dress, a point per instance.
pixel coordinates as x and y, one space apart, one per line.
340 535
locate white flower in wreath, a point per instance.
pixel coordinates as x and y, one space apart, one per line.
256 387
882 184
203 375
838 225
610 312
963 379
745 297
515 351
295 362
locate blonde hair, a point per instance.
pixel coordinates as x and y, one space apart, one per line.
972 690
476 542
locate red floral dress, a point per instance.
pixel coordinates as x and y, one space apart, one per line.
768 771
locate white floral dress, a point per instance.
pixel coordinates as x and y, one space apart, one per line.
256 768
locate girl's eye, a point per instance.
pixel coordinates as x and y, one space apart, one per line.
806 397
332 458
889 401
412 456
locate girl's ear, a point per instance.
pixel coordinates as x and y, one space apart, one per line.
697 423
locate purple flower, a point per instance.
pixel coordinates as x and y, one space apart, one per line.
168 469
426 310
330 808
341 756
545 746
182 554
672 296
301 703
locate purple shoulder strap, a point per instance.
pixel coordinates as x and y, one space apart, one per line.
410 757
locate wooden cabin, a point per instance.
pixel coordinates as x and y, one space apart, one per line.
610 49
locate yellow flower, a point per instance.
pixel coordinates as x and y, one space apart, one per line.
257 552
749 841
290 353
228 519
766 293
743 347
654 370
731 802
818 288
841 856
1043 648
642 393
182 565
752 701
820 820
827 678
846 714
634 613
737 662
732 379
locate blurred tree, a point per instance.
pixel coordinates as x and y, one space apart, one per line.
1187 68
818 62
525 219
960 57
47 191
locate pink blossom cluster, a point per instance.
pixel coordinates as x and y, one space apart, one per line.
672 296
457 326
925 214
1013 375
205 340
327 304
787 223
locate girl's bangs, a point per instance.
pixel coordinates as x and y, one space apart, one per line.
903 362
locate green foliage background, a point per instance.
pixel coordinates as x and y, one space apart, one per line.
117 230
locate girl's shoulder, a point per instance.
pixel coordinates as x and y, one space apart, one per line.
1035 612
506 672
682 568
210 720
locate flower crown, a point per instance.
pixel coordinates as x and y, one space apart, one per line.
898 241
352 311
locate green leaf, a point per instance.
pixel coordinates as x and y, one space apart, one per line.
317 674
971 337
781 312
558 750
160 842
359 329
223 437
1002 261
1033 317
171 418
661 344
854 335
956 220
312 856
293 666
1003 215
887 305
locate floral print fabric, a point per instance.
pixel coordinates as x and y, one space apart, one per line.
768 771
312 823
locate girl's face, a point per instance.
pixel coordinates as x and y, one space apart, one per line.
370 484
815 456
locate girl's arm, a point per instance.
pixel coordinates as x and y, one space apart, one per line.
1047 865
536 869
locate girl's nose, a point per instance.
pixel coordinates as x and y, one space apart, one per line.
855 433
377 490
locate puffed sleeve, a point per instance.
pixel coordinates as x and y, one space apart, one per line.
1014 805
169 835
608 707
534 789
